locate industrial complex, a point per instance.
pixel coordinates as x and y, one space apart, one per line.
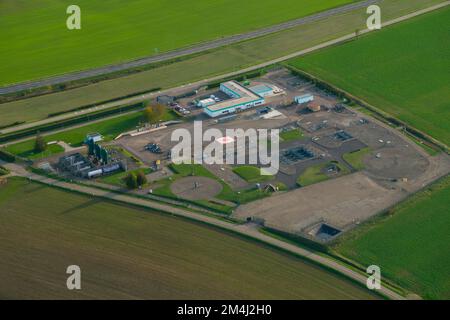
318 133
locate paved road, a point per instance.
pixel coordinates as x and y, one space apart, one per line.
195 85
182 52
245 230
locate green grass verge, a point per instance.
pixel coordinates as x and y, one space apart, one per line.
109 128
294 134
251 174
316 173
355 159
26 150
410 245
401 70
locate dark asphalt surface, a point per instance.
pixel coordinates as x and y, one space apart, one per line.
182 52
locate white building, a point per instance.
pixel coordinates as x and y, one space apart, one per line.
304 98
242 98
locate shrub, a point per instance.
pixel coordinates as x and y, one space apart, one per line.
141 179
40 145
131 181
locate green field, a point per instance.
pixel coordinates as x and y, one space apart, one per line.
402 70
129 253
215 62
113 31
411 245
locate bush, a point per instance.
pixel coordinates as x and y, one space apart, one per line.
131 181
154 113
40 145
141 179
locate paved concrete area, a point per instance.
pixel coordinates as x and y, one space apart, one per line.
341 203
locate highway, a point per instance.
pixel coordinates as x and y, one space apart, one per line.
181 52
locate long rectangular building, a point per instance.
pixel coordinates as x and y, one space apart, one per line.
241 99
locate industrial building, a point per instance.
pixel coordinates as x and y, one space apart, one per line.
81 166
262 90
242 98
304 98
265 90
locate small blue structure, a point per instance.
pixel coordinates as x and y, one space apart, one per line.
304 98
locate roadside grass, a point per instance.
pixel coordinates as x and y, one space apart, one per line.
208 64
401 70
294 134
26 150
355 159
410 244
251 174
316 173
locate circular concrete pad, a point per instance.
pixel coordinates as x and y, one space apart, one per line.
196 188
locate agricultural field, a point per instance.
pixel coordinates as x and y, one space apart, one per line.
112 32
199 67
402 70
410 245
130 253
